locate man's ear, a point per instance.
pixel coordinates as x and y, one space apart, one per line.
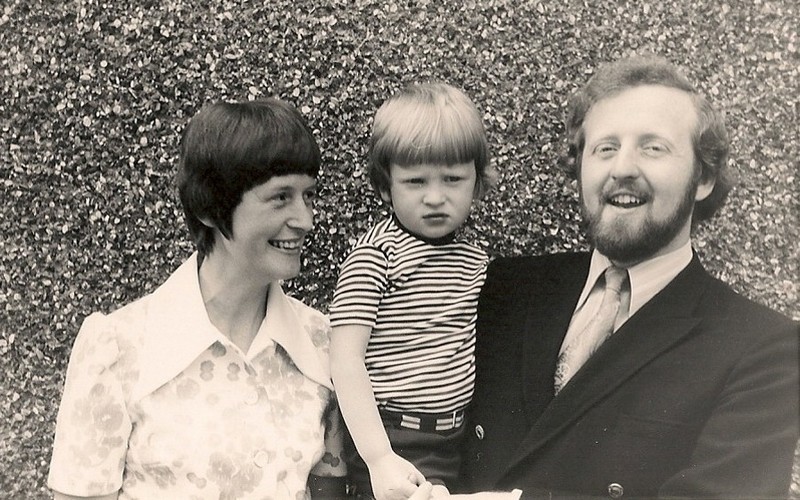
704 189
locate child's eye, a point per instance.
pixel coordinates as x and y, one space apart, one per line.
453 178
414 181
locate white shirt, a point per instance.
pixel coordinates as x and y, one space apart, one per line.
646 280
159 404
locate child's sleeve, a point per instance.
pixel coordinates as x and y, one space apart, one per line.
361 285
93 425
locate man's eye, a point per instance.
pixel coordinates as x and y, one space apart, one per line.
604 149
656 148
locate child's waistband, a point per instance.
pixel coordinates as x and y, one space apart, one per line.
426 422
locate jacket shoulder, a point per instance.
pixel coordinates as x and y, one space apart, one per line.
722 301
525 266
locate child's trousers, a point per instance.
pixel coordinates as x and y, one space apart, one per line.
436 454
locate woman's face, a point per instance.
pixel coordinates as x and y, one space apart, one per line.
269 227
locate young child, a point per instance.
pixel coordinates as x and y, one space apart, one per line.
404 310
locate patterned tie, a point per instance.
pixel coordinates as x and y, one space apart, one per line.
596 332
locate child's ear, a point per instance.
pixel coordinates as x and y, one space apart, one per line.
386 196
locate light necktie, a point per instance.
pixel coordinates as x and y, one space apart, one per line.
596 332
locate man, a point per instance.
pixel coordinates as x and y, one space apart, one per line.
693 389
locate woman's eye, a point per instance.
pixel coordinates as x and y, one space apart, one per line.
280 197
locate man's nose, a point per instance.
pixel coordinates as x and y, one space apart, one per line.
626 163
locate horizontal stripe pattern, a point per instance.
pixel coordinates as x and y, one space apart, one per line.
420 301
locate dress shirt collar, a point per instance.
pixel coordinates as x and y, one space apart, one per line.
177 330
646 278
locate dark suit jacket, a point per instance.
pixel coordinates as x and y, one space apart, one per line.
695 395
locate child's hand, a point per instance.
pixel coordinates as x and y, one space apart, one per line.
440 491
393 477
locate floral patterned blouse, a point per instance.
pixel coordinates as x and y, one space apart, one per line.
159 404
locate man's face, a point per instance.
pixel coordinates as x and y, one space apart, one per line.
637 178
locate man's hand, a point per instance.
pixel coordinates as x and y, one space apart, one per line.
427 491
489 495
394 478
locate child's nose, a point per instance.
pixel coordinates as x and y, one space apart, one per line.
434 195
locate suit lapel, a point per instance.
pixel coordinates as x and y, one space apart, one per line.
662 322
545 328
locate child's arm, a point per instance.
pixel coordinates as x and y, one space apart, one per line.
391 476
328 478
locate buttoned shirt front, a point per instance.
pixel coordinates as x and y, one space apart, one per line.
159 404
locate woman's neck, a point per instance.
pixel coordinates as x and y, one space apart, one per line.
234 305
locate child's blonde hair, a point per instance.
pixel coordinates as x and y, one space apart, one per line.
431 123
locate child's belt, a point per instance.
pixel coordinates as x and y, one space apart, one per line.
426 422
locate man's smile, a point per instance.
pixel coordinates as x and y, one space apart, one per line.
625 200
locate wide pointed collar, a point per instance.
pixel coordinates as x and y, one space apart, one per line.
177 330
646 278
291 324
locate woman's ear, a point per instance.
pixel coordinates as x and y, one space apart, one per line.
207 222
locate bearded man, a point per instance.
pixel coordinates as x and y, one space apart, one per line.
630 370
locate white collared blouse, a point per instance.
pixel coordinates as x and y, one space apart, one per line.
159 404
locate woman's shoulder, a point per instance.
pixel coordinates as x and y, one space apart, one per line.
107 338
314 322
126 319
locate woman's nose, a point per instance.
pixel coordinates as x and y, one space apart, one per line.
303 217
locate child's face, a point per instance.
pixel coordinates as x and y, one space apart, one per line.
431 200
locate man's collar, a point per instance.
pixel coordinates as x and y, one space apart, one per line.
178 330
647 278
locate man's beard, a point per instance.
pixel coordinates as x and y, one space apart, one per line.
621 243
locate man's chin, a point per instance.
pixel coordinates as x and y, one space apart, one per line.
624 244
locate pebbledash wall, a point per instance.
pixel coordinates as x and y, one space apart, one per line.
94 95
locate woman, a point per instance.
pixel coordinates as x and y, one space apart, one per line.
217 384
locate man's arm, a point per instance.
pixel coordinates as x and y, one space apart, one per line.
746 447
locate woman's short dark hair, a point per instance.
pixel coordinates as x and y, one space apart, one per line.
229 148
709 139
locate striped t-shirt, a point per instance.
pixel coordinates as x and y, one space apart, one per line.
420 299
